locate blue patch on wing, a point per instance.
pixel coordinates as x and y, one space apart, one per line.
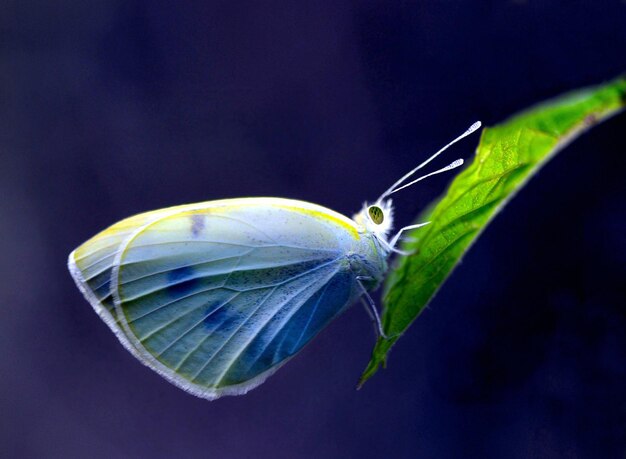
181 281
218 315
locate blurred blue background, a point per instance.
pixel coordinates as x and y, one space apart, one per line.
112 108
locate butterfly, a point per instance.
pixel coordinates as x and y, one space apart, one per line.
217 296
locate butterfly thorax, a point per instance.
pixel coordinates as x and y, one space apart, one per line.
367 259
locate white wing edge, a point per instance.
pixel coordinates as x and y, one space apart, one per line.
104 314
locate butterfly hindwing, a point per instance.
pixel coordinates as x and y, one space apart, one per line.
216 298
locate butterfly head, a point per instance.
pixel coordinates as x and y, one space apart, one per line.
376 218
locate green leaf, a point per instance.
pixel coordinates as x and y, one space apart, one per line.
507 156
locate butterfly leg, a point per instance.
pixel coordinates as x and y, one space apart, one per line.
395 239
367 308
393 249
371 306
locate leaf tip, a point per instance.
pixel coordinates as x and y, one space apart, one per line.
371 369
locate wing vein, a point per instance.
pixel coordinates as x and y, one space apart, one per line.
190 329
258 246
213 310
306 287
261 287
99 260
308 322
197 373
182 298
180 316
224 283
208 334
262 327
203 262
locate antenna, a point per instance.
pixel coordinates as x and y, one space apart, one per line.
454 165
393 188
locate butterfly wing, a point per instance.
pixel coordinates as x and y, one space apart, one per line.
216 297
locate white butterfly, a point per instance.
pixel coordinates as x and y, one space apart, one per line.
217 296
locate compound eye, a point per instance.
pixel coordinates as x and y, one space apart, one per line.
376 214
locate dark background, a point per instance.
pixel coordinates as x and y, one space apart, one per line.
113 108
